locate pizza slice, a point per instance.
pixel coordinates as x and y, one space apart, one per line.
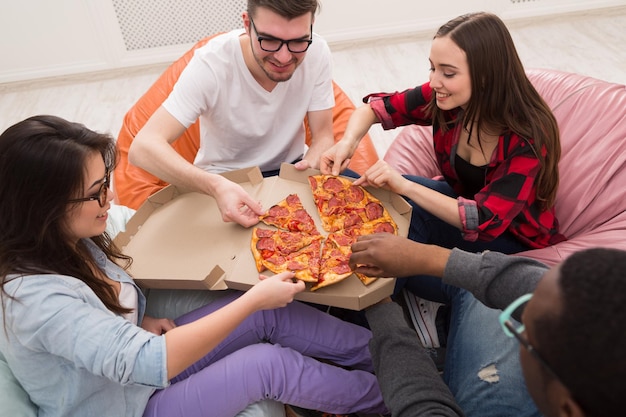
290 214
332 195
335 266
280 251
380 225
342 205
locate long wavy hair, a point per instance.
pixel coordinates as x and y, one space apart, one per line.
502 95
43 162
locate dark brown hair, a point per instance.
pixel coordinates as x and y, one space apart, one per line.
289 9
502 95
42 165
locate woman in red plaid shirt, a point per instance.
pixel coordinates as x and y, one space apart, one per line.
497 145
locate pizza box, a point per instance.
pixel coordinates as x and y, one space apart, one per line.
177 240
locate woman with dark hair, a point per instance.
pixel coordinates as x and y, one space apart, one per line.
497 145
74 330
496 141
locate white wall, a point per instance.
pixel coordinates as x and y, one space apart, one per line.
346 20
44 38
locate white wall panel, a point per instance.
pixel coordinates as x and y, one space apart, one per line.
44 38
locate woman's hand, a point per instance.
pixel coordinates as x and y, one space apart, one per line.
157 326
337 158
382 175
276 291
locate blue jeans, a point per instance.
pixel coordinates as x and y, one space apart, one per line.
482 367
271 356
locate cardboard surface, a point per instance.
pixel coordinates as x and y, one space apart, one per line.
177 240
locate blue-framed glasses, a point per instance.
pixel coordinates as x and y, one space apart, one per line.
271 44
101 195
515 329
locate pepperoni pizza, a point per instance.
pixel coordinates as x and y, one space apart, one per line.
346 212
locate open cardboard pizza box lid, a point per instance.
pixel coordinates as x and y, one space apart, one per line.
177 240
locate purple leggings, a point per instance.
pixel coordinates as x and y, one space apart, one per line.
271 356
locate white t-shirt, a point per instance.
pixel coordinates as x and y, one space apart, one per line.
241 123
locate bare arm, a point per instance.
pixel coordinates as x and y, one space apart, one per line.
151 150
188 343
382 174
322 138
337 158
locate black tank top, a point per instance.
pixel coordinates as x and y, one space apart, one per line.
471 176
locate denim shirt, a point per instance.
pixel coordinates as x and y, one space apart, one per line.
71 354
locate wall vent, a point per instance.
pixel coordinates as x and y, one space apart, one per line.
156 23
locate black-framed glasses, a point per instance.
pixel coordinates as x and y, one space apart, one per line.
515 329
271 44
101 195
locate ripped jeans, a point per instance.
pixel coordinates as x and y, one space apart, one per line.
482 367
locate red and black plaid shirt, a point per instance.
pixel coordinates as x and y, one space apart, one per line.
508 199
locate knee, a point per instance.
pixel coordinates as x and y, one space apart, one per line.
267 357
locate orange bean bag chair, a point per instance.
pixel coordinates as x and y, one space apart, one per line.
133 185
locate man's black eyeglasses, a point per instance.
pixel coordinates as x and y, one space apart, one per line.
101 195
270 44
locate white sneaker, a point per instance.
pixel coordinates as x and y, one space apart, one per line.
423 315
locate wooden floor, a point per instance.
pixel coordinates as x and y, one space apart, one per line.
590 43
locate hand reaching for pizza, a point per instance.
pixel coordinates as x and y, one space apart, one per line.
384 255
337 158
382 175
236 205
275 291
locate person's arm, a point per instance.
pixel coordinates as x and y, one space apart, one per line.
337 158
151 150
381 174
493 278
408 378
188 343
322 138
510 190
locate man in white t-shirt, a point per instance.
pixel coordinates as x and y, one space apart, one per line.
251 89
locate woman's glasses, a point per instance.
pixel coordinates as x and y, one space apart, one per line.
101 195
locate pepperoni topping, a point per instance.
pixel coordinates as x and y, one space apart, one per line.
374 210
266 243
333 185
302 216
334 202
264 233
291 238
341 268
276 259
295 265
293 200
313 183
385 227
352 220
343 240
354 194
277 211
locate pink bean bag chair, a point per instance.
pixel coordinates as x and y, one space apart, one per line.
591 200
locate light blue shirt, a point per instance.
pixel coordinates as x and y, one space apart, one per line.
71 354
